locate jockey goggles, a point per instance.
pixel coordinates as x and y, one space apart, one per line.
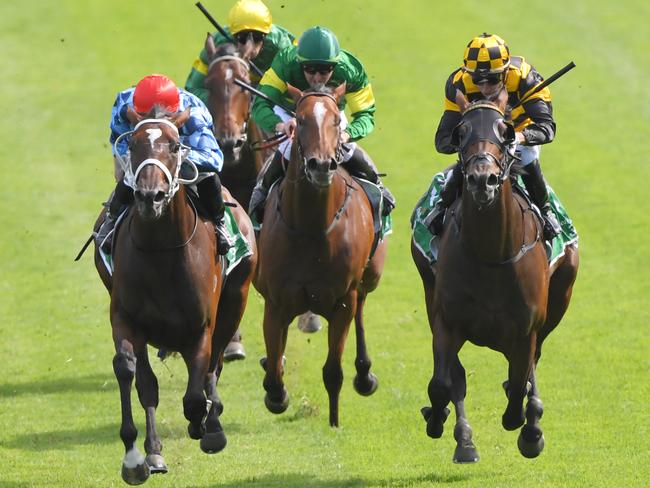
323 69
243 36
479 78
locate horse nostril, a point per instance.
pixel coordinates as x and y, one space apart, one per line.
471 180
312 164
239 143
492 180
160 196
333 164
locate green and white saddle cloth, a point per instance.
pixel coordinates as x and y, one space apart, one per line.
428 243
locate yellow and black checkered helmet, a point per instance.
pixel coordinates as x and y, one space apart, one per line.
250 15
487 53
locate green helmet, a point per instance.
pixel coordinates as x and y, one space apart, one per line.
318 45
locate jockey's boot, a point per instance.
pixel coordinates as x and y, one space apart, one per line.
362 166
121 197
273 171
209 190
448 195
536 187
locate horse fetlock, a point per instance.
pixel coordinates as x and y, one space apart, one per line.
463 432
362 365
534 409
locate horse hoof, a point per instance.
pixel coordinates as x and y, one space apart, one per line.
234 351
309 323
530 442
436 424
466 454
213 442
277 407
156 464
136 475
366 387
196 432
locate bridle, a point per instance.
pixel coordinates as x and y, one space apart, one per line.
233 57
301 151
131 177
507 159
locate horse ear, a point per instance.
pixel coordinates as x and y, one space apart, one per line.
455 136
461 100
133 116
509 133
339 91
210 46
294 92
178 119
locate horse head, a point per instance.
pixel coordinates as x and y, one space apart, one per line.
318 131
154 159
483 138
228 103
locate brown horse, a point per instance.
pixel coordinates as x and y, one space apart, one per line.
315 251
230 107
168 289
492 285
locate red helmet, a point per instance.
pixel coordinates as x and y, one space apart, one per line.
155 90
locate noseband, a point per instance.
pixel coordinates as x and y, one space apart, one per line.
131 177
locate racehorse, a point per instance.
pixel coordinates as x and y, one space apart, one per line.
315 251
168 288
492 284
230 107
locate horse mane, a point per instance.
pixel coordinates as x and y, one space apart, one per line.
320 89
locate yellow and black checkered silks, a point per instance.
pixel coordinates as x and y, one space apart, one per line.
487 53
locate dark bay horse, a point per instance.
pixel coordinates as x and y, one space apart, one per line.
236 132
492 285
314 251
168 289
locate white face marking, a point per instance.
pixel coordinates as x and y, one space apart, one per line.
319 114
133 458
228 74
154 134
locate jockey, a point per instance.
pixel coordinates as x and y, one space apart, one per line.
487 69
250 24
196 133
315 62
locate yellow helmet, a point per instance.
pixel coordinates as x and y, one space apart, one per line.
487 53
250 15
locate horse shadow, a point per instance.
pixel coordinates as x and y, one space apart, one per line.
295 480
48 386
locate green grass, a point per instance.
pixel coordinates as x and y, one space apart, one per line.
63 62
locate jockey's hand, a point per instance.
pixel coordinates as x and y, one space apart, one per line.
288 127
345 137
520 138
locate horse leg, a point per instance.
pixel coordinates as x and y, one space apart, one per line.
337 332
134 467
194 402
365 382
531 437
275 338
465 450
559 295
445 348
521 360
147 387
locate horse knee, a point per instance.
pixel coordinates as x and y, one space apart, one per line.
124 366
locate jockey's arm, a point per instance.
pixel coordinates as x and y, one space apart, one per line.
449 120
542 130
273 87
362 107
196 79
197 133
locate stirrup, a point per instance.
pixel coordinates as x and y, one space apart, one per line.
104 235
551 225
223 238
